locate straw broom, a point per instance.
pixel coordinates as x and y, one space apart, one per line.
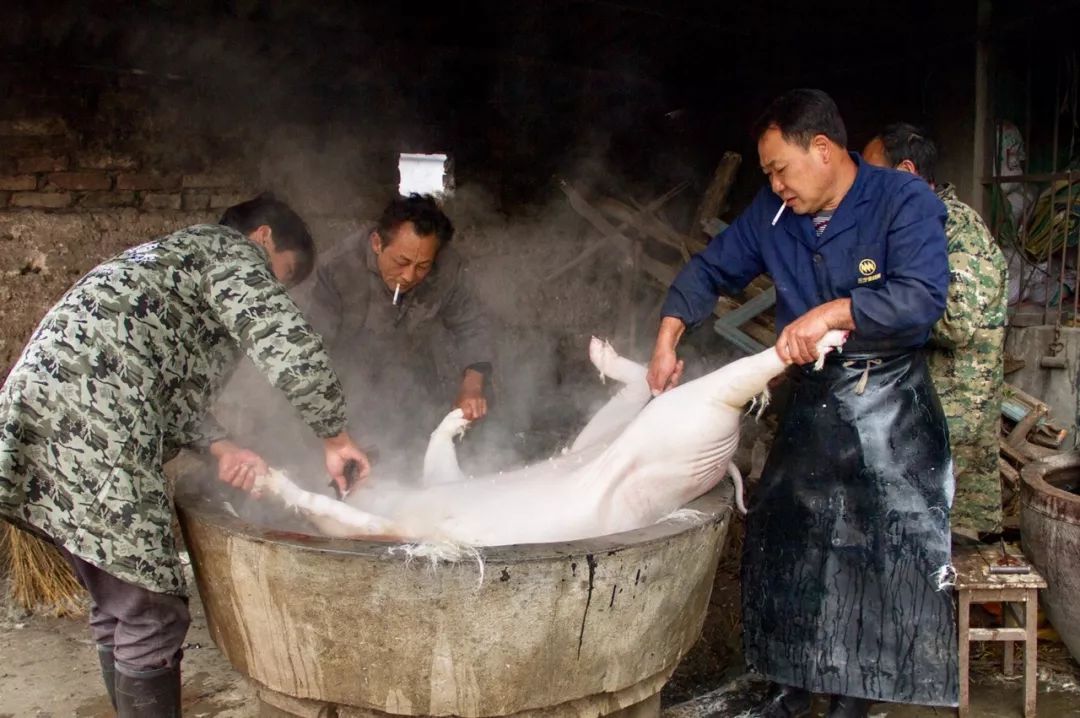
42 581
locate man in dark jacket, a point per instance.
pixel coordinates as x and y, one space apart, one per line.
845 573
381 298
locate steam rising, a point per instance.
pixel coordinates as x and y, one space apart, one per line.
544 389
241 91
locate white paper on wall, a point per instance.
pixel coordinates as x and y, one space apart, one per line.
423 174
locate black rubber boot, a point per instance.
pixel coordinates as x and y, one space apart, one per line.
790 703
108 671
148 694
849 707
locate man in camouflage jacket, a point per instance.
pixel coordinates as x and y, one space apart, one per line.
117 378
967 361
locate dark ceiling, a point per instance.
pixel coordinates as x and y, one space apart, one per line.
651 86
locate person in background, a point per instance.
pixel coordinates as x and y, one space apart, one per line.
845 561
967 357
116 379
382 298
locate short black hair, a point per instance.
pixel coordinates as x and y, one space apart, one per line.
904 141
420 209
801 115
290 233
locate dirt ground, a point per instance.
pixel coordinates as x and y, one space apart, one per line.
49 669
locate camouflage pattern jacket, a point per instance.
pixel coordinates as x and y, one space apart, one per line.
967 363
119 375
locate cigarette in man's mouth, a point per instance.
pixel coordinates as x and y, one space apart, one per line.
778 213
397 287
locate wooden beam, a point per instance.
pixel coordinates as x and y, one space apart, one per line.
660 272
602 242
998 634
715 198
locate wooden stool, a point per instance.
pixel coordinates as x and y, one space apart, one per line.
985 575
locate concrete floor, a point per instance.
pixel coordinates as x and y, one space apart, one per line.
48 669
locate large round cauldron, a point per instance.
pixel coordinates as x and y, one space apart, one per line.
347 628
1050 530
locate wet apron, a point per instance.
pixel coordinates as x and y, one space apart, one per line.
846 563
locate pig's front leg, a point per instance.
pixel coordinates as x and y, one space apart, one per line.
333 517
440 460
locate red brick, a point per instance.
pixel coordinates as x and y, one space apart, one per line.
44 163
147 181
209 180
107 199
194 201
41 200
80 180
33 126
228 199
156 200
101 160
18 183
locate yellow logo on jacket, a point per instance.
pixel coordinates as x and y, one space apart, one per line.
868 270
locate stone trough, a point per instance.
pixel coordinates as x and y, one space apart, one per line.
327 627
1050 530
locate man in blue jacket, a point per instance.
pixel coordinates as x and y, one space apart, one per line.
846 563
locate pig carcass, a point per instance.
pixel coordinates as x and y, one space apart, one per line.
638 460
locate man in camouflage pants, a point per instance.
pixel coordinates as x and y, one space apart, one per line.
967 358
117 378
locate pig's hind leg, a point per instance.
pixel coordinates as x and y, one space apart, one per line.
621 409
440 460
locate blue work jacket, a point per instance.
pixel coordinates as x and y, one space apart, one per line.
884 247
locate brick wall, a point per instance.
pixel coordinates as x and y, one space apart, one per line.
76 139
43 168
45 164
91 165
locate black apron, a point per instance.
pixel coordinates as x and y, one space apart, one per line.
846 574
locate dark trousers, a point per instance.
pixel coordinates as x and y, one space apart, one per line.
144 629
